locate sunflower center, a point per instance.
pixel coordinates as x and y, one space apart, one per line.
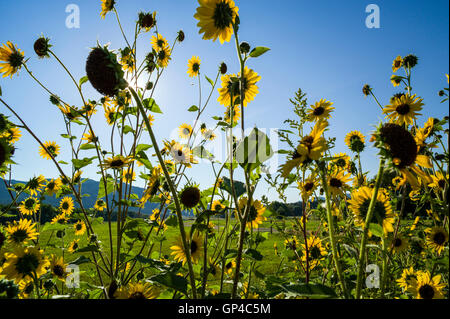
319 111
307 141
441 183
379 212
27 264
308 186
439 238
426 292
403 109
398 242
65 205
160 43
253 214
79 227
195 67
19 235
58 270
335 182
15 59
29 203
117 163
137 295
51 185
194 247
162 55
223 15
340 162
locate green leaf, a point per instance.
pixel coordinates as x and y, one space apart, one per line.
171 221
254 150
127 129
376 229
200 151
142 147
80 260
171 280
258 51
80 163
209 80
87 146
151 105
83 80
109 187
193 108
310 290
88 249
254 254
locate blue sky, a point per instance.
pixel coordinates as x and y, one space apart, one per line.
323 47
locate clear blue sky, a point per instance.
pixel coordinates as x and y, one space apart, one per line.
322 47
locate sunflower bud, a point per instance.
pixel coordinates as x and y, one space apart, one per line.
54 100
41 47
223 68
180 36
149 85
441 93
366 89
104 72
245 47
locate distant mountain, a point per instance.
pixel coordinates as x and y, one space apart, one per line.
89 196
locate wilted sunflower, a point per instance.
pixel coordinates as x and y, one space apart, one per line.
117 162
137 291
23 263
21 232
107 5
159 42
196 249
256 215
52 186
403 110
229 87
66 205
216 19
320 111
426 287
308 186
146 20
35 184
185 131
407 279
59 219
79 228
316 252
337 182
382 213
29 206
310 148
12 135
49 151
11 59
100 205
163 57
129 175
58 268
397 64
73 246
399 243
355 141
437 237
193 66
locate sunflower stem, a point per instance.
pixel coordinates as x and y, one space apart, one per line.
362 249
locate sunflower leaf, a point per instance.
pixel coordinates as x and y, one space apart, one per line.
209 80
376 229
258 51
193 108
254 150
171 280
80 260
87 146
151 105
83 80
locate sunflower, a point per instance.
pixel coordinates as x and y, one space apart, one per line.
229 87
439 181
21 232
35 184
437 237
216 19
180 153
59 219
66 205
407 279
58 268
193 66
396 80
117 162
26 287
137 291
70 112
73 246
320 111
49 151
342 161
89 137
100 205
414 224
355 141
12 135
152 186
292 243
426 287
214 269
382 214
196 249
52 187
217 206
337 182
235 116
398 181
208 134
110 114
403 110
79 228
397 64
127 60
229 266
190 196
185 131
255 217
129 175
11 59
316 251
151 119
308 186
159 42
107 5
399 243
24 263
29 206
77 177
310 148
90 108
163 57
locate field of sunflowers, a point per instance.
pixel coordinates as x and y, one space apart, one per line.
359 235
